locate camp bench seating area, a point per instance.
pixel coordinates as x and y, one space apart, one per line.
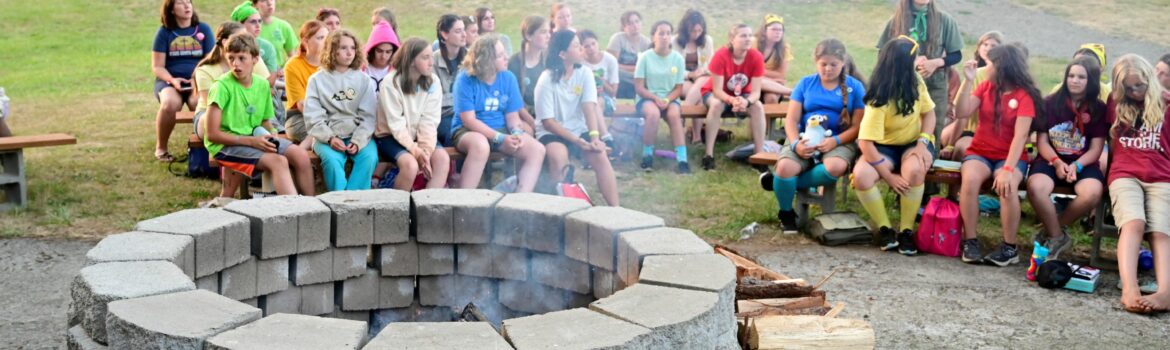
13 181
771 111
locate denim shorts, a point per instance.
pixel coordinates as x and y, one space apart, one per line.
1022 166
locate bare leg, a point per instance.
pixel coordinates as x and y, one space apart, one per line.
170 103
531 157
1088 196
1160 301
440 168
557 156
1039 188
476 150
973 173
606 180
277 165
1009 213
758 128
1128 244
713 121
302 168
407 171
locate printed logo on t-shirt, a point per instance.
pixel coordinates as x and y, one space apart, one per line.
185 46
345 95
1066 139
577 90
1145 139
737 83
599 77
674 70
491 104
277 35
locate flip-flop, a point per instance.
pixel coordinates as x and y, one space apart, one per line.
165 157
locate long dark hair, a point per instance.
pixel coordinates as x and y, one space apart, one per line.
553 61
894 80
1091 100
446 22
904 19
1011 72
689 20
403 63
168 17
528 27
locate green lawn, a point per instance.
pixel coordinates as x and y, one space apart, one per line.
97 86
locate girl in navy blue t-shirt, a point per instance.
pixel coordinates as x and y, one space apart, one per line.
181 42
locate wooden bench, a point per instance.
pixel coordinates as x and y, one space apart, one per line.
13 181
185 117
771 111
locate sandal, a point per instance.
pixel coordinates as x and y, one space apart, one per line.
164 157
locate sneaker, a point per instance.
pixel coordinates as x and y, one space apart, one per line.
708 163
1003 255
1057 245
971 252
766 180
684 168
647 162
788 221
1146 285
888 237
906 244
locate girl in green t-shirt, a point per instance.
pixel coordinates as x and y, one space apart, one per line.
658 80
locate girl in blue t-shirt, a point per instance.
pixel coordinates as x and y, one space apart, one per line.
830 101
181 42
487 103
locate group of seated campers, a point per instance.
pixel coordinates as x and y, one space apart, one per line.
402 101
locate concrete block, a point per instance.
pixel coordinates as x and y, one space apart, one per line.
575 300
285 225
590 235
208 283
442 214
534 221
436 259
317 299
292 332
448 335
272 275
704 272
145 246
399 259
359 293
576 329
395 292
531 297
679 317
413 313
493 261
77 339
349 262
98 285
602 283
635 245
254 302
369 217
558 271
360 316
181 320
286 301
312 268
222 238
455 291
239 282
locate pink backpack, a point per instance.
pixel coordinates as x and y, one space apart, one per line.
941 229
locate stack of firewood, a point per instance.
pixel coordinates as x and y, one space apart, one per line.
779 312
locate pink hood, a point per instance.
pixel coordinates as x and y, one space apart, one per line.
382 33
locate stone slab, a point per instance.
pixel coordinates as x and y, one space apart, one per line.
286 225
635 245
591 234
292 332
98 285
317 299
369 217
445 335
441 214
273 275
349 262
145 246
531 297
576 329
455 291
493 261
181 320
399 259
312 268
380 318
558 271
222 238
681 318
77 339
239 282
436 259
704 272
534 221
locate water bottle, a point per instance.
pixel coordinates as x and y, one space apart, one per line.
508 185
749 230
1145 260
1039 254
3 104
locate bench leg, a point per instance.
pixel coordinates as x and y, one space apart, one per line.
13 182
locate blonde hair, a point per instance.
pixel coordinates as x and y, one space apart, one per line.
1151 110
333 45
992 35
481 59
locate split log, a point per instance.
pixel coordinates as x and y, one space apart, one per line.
781 306
810 332
749 267
836 310
751 288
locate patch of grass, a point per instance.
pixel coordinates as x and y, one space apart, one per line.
1141 19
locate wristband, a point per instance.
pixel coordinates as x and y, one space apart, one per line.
927 136
793 147
875 164
1052 161
1009 168
1079 166
499 138
594 133
517 132
838 139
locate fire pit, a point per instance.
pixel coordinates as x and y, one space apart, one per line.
387 269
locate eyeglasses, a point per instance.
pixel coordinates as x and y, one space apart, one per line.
1137 88
913 50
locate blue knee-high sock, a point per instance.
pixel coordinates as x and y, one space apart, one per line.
680 153
815 177
785 190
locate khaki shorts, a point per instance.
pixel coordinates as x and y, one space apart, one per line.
1136 200
294 126
848 152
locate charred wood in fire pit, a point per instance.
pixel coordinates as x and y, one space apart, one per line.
754 288
471 313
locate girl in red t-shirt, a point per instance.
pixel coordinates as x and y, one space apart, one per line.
1139 179
735 86
1006 103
